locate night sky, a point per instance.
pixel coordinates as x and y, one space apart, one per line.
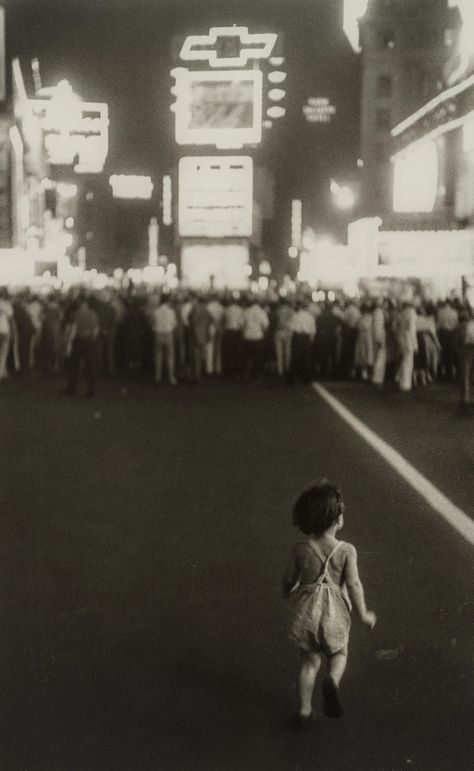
119 51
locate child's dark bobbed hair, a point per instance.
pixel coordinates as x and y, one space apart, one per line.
317 508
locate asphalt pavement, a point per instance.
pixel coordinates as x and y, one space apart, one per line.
143 538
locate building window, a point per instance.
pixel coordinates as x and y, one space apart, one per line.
383 120
386 39
384 86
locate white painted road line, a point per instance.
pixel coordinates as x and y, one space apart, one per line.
455 516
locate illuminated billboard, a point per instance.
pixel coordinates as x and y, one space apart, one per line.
75 132
132 186
223 265
228 47
222 108
215 197
416 178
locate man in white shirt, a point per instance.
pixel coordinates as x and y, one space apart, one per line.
303 326
214 346
164 324
6 320
256 323
232 337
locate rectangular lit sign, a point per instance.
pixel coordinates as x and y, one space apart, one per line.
222 265
131 186
219 108
77 136
215 196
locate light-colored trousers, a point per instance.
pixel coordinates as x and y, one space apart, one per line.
164 352
283 351
405 371
380 364
4 348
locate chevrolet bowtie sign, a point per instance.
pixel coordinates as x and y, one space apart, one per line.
228 47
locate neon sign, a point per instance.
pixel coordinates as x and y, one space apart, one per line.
222 108
238 41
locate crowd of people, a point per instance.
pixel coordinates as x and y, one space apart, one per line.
185 336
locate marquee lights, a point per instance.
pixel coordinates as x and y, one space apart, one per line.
204 48
416 178
222 108
318 110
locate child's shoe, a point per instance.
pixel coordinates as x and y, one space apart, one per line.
331 703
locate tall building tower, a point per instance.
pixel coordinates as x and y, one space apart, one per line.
405 45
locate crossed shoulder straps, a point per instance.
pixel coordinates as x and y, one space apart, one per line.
325 560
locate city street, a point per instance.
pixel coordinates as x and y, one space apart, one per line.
144 535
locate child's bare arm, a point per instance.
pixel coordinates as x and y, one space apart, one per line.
291 575
355 588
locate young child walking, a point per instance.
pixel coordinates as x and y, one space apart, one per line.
322 574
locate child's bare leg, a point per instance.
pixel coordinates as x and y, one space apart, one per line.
310 665
337 665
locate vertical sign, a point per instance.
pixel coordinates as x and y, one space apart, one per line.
3 81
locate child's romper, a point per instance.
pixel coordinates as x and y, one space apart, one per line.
321 620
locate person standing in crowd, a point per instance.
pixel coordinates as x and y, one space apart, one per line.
132 335
284 314
84 349
379 338
50 345
327 340
164 326
364 349
35 309
432 344
232 338
256 323
465 346
408 345
349 338
303 327
6 329
214 346
448 320
24 330
107 335
200 323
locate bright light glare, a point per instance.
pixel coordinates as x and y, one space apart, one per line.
277 61
131 186
353 11
224 263
296 220
344 197
203 47
416 178
277 76
167 201
69 222
66 191
293 252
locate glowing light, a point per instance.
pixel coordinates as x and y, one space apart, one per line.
344 196
293 252
221 264
416 178
131 186
353 11
276 112
265 268
215 196
263 283
252 47
331 296
466 38
154 274
468 135
296 220
277 76
267 124
167 201
219 108
318 110
73 130
66 191
277 61
153 242
248 270
69 222
276 94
